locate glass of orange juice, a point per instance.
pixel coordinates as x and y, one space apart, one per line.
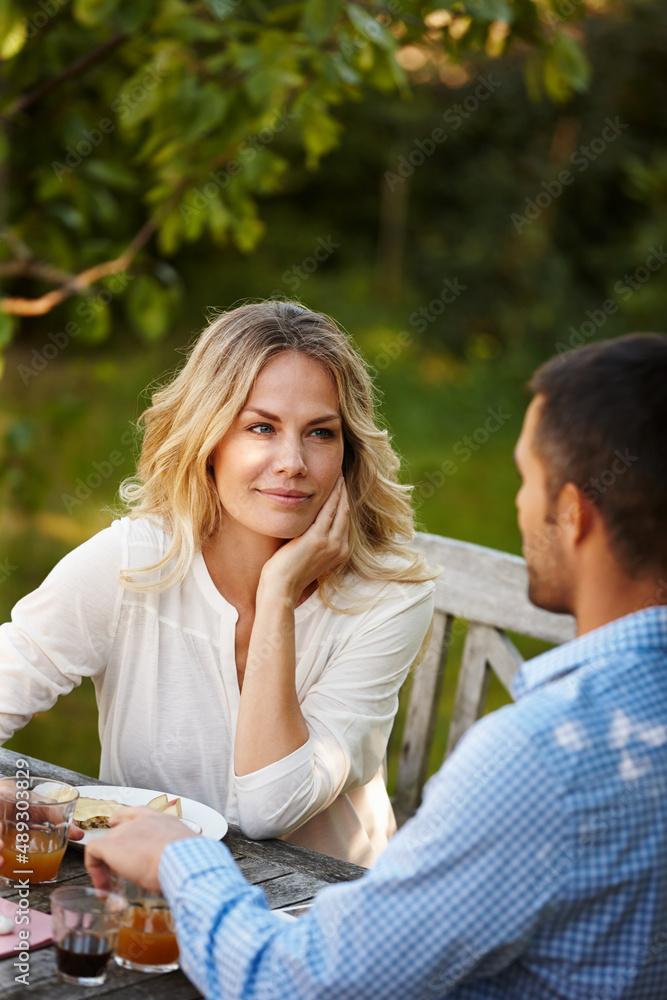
35 814
147 937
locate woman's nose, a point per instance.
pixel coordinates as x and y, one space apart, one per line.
289 459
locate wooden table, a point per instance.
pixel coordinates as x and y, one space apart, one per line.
287 874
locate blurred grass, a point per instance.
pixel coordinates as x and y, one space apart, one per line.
432 406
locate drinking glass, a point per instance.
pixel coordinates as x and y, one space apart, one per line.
35 814
85 927
147 937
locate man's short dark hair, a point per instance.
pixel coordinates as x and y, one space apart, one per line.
603 427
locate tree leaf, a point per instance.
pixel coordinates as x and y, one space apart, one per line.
13 30
489 10
115 175
320 133
131 16
370 28
172 230
218 219
7 327
571 62
320 18
92 316
248 231
147 308
221 9
93 12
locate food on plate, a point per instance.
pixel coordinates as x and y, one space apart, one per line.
159 802
93 814
162 804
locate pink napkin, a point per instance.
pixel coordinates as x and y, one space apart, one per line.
39 928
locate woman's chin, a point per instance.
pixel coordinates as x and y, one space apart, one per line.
284 528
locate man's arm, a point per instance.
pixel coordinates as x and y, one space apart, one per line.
456 895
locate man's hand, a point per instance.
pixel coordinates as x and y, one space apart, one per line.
133 847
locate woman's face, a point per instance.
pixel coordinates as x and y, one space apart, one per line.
280 459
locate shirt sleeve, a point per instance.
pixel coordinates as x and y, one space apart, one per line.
456 897
349 712
62 631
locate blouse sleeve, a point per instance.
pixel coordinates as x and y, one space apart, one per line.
62 631
349 712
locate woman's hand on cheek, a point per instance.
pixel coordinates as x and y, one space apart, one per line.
322 547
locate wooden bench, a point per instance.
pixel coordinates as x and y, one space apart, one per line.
488 590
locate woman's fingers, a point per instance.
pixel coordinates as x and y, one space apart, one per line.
322 547
340 524
335 503
328 509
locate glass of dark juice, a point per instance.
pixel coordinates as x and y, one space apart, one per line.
85 927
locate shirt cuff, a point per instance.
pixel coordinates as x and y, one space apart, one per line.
278 769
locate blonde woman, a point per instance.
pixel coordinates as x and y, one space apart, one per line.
249 624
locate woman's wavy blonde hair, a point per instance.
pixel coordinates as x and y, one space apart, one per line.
187 418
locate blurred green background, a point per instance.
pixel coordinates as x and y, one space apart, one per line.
456 272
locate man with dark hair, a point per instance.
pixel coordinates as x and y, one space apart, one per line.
537 865
601 411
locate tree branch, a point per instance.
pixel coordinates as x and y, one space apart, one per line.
80 282
35 269
25 264
77 67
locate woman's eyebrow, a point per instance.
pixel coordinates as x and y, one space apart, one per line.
324 419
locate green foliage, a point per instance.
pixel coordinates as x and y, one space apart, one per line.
482 202
320 18
136 128
147 308
7 326
566 68
531 284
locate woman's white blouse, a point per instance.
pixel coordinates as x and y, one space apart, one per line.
165 675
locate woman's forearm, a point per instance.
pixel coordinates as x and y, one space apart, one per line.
270 723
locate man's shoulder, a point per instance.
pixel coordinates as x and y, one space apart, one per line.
576 726
590 660
535 735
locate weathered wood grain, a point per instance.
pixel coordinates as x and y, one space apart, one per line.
421 718
472 686
503 656
39 768
490 587
299 858
489 590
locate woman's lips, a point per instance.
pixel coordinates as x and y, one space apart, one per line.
286 499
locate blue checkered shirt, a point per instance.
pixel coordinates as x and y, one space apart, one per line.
536 867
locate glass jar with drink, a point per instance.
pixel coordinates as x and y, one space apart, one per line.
147 937
35 814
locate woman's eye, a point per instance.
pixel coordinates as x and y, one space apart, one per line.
323 432
261 428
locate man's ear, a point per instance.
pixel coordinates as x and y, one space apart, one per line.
575 513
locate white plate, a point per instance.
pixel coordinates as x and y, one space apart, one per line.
212 823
